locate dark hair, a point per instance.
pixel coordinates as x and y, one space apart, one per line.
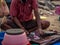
23 1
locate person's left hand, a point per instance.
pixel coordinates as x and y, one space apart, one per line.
26 32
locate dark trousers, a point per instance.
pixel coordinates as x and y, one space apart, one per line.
27 24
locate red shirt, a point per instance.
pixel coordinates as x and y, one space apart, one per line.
23 11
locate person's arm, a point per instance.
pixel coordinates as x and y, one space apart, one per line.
38 21
17 22
5 8
35 7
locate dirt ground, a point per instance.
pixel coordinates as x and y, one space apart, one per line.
53 19
54 23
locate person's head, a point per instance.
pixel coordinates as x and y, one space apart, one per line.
23 1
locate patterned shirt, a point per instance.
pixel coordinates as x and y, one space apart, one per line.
23 11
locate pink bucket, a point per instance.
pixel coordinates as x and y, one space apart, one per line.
19 39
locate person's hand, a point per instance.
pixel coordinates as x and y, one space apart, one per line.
4 20
41 31
25 30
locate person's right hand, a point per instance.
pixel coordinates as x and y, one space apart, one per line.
41 31
25 30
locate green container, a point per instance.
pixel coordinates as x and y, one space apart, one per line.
34 43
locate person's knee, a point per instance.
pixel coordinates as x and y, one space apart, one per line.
2 26
45 24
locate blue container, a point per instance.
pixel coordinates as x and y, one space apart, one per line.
1 36
56 43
